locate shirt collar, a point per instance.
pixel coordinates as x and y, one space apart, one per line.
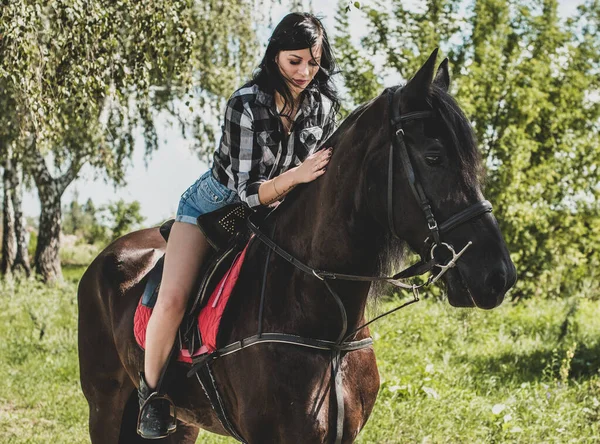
309 103
264 98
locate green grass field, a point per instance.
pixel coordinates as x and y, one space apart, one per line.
524 372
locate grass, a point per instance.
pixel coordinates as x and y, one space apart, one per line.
525 373
522 373
40 398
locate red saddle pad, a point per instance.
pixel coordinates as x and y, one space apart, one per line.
209 317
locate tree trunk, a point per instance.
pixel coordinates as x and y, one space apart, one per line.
50 191
47 258
22 254
9 244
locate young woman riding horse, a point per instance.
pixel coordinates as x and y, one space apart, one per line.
405 172
273 126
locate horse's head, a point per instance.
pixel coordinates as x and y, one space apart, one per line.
434 162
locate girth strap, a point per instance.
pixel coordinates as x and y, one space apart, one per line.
281 338
202 370
338 386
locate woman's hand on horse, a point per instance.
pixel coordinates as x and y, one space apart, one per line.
314 166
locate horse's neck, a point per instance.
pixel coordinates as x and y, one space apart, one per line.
326 229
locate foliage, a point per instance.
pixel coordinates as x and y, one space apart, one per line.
530 83
79 76
125 217
97 231
524 372
103 224
521 373
84 221
78 79
75 218
78 255
32 243
358 71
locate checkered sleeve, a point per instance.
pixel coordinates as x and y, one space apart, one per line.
244 151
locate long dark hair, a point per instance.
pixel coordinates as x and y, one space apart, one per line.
297 31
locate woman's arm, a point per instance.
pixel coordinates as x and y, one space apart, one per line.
314 166
239 143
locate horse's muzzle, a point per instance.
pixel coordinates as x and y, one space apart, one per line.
485 291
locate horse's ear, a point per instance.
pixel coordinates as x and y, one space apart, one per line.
417 89
442 77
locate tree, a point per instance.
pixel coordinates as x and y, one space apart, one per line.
103 224
80 77
125 217
21 261
357 70
94 229
529 82
73 217
9 241
14 249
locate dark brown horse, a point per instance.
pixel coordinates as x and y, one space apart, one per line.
343 222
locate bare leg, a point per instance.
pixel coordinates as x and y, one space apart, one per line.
186 250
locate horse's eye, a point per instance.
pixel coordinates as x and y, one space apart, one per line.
433 160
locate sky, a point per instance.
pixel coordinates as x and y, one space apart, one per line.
158 182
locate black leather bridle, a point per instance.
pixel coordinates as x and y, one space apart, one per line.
428 263
398 146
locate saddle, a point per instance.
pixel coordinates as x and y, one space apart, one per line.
227 233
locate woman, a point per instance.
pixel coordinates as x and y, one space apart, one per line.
273 126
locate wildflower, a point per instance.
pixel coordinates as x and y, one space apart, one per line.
498 408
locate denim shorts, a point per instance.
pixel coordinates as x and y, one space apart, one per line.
205 195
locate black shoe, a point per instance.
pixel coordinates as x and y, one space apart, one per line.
154 420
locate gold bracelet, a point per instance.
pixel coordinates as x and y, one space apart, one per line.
276 192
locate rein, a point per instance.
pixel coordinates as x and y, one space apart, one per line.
427 263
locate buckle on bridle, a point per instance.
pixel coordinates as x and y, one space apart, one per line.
450 264
432 226
400 131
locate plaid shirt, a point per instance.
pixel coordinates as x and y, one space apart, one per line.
252 151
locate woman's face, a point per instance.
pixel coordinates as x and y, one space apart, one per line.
299 67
